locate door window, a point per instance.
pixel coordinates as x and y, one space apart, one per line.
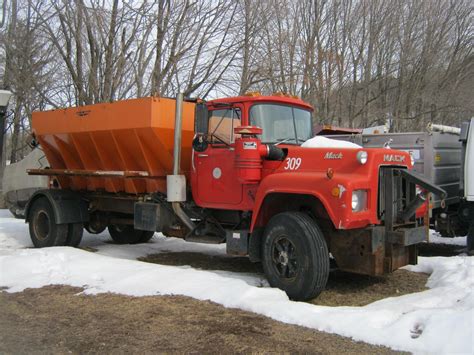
222 124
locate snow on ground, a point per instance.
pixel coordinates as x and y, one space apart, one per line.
439 320
436 238
323 142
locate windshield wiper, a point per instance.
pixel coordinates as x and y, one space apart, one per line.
286 140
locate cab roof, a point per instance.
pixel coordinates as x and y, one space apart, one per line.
289 100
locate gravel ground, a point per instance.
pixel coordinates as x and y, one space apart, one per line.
55 319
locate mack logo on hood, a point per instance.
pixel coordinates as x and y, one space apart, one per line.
395 158
332 155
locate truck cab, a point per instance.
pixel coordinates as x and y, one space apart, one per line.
285 121
249 159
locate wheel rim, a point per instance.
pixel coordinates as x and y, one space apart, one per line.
42 225
284 258
119 228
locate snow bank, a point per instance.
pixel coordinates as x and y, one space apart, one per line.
438 320
436 238
323 142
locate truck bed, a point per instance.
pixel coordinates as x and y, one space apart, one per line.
134 137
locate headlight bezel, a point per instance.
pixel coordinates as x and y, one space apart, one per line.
359 200
362 157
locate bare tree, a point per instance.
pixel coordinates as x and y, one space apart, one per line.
358 63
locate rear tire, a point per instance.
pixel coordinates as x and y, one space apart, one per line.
93 230
74 234
126 234
44 232
295 255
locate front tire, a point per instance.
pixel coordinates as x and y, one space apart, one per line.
126 234
44 232
295 255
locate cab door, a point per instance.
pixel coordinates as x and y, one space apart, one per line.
217 183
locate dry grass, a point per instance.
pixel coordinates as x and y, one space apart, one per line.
56 320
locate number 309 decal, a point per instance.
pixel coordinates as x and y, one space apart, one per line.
293 163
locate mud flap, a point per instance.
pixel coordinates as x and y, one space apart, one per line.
237 242
152 217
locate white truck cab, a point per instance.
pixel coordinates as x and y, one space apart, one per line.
467 180
469 162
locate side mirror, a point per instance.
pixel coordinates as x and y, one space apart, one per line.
201 119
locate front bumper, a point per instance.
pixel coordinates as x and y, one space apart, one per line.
374 251
381 249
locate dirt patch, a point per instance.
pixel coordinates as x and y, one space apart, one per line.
92 250
343 289
429 249
56 320
204 261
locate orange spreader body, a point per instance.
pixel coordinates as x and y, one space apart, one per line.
129 135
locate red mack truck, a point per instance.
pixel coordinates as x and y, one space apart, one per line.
228 171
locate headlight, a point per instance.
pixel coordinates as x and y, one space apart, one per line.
359 200
355 202
412 159
362 157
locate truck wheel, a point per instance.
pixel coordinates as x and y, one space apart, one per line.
146 236
74 234
295 255
44 231
94 230
470 238
96 224
126 234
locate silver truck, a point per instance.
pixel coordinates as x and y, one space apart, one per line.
18 186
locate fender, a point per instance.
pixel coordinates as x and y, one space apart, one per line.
68 206
315 184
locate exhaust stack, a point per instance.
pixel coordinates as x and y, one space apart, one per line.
176 184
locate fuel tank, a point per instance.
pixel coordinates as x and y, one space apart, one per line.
128 136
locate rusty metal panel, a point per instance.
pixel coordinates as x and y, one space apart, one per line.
407 236
360 251
368 252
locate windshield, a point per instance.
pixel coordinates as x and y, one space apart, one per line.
281 123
